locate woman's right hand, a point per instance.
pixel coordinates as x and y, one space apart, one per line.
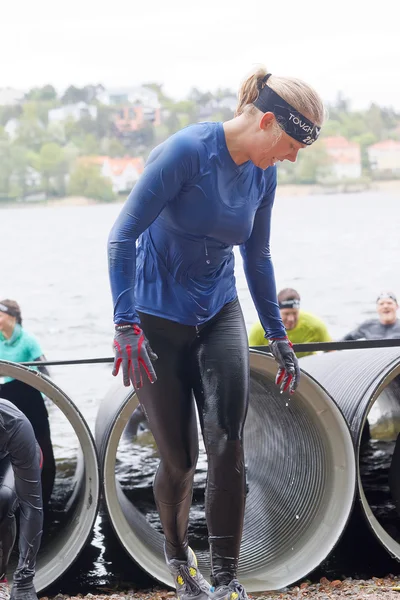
133 351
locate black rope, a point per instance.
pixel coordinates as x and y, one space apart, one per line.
79 361
311 347
346 345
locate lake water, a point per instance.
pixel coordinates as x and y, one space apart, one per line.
338 251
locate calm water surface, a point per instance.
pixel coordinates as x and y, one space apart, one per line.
338 251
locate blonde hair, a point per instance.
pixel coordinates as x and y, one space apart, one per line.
297 93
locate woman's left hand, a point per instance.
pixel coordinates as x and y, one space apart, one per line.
289 371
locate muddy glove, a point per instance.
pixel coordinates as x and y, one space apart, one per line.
289 372
133 351
23 591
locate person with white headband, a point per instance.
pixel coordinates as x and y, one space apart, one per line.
302 327
386 326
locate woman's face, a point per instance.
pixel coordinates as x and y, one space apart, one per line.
7 323
266 149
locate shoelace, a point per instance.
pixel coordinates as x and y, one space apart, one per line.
237 587
4 591
190 582
234 586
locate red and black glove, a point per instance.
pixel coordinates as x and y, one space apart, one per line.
133 351
289 372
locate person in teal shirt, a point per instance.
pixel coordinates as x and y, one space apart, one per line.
302 327
18 345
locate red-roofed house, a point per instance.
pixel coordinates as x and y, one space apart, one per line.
345 157
123 172
384 157
133 118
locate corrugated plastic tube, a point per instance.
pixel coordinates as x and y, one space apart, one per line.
365 385
301 477
60 551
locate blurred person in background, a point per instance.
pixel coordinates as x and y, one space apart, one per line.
18 345
302 327
386 326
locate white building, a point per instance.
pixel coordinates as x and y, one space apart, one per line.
72 111
345 157
214 105
11 128
384 157
32 178
133 95
123 172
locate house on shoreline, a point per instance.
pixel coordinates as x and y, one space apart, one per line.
123 172
345 157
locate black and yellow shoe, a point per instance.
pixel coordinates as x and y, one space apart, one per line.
189 582
233 591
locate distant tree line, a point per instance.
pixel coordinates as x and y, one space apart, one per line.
43 157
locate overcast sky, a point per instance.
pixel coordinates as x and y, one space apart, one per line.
347 45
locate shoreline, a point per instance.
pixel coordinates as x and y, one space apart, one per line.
348 589
283 191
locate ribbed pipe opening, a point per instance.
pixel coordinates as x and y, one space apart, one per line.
383 417
64 538
366 386
300 474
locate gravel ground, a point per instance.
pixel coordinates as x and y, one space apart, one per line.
348 589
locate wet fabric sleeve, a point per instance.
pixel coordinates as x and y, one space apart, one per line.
356 334
165 173
259 269
25 457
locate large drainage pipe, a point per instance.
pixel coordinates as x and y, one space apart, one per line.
364 385
300 474
60 550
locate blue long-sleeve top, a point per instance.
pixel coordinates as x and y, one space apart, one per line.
170 250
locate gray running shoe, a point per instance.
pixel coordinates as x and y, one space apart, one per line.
4 590
188 580
233 591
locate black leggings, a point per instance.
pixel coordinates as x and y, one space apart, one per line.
211 362
30 402
8 505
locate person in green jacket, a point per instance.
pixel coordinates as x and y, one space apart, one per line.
301 326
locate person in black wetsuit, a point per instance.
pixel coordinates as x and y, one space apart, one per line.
18 345
207 188
386 326
20 486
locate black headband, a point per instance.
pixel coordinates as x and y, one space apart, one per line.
10 311
291 120
290 303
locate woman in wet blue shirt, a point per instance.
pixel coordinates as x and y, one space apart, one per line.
207 188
